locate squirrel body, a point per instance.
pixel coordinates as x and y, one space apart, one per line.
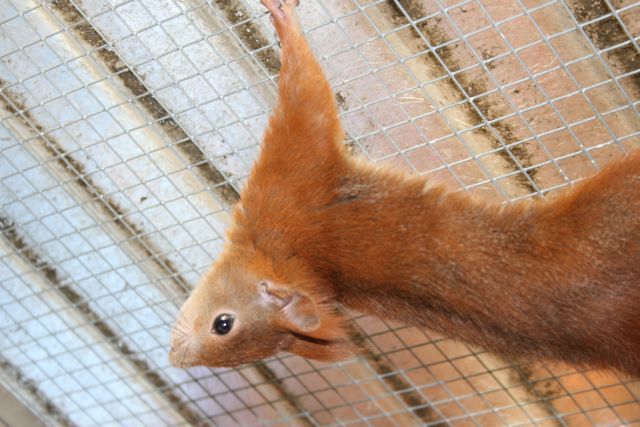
556 278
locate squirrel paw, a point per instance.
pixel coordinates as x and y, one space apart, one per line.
282 13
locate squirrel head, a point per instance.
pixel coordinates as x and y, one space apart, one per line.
250 306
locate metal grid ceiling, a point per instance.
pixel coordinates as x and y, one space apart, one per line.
127 128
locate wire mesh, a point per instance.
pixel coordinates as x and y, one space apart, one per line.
128 128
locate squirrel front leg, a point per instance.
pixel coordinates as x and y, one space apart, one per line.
304 129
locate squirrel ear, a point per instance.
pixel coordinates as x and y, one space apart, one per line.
299 311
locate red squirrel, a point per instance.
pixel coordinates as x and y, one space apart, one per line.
315 230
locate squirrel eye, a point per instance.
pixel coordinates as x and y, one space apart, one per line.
223 324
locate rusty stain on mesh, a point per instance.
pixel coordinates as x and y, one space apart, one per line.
79 24
606 33
236 13
41 401
270 377
10 233
543 394
413 399
473 87
144 246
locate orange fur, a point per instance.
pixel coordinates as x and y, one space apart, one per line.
552 279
